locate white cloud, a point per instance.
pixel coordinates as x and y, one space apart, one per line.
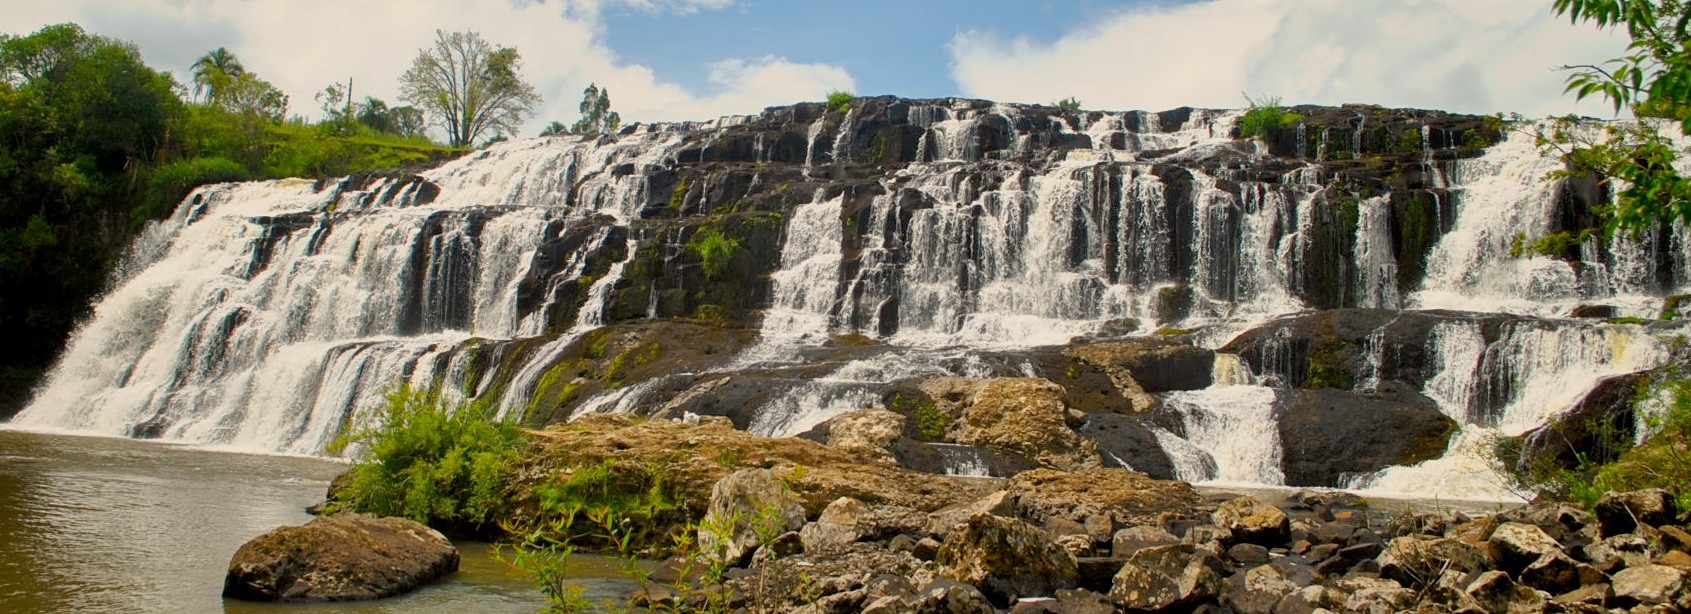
1478 56
302 46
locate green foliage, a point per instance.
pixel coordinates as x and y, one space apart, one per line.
1561 244
445 464
469 87
714 249
596 114
1266 114
1654 79
1637 154
1324 368
1174 331
1070 104
840 101
611 505
930 421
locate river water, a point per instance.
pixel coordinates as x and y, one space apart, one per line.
114 525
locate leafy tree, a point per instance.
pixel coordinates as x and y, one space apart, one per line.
213 71
596 114
554 129
1654 80
82 118
399 121
468 87
1070 104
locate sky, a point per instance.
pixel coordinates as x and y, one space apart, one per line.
666 60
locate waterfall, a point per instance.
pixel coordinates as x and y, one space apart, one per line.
900 241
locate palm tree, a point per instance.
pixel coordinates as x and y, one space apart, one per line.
213 72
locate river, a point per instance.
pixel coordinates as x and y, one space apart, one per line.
91 524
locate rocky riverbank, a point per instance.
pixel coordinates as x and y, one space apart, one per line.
794 525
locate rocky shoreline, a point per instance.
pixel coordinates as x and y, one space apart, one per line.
842 527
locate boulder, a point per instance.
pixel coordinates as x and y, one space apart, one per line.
1647 584
1517 545
1416 561
947 597
1006 558
1596 429
746 505
1621 512
1127 442
1496 593
1327 435
1127 498
1556 573
342 557
1133 539
844 521
1165 577
1253 521
1369 595
942 522
871 432
1157 365
1027 417
1257 590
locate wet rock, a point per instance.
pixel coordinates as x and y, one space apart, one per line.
1327 435
1127 441
1006 558
1027 417
1596 429
1253 521
342 557
1602 312
1647 584
1164 577
739 505
1619 513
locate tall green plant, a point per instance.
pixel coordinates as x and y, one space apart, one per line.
1265 114
445 464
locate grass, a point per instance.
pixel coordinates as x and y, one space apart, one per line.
1266 114
714 249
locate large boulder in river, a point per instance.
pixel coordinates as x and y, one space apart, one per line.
1328 434
343 557
1128 442
1027 417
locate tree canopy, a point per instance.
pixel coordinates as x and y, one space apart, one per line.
1653 80
596 114
469 87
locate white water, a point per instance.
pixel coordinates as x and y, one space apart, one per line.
264 315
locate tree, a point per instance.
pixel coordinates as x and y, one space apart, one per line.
554 129
468 87
596 114
1654 80
213 72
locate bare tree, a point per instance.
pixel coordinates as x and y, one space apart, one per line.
468 87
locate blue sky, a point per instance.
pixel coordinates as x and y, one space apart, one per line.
700 59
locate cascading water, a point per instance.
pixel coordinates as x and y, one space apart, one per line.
264 315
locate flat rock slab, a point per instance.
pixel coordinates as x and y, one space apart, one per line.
344 557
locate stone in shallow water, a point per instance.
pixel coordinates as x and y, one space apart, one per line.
343 557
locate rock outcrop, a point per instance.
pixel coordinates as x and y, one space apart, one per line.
342 557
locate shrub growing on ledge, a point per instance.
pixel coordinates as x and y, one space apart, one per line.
714 249
440 463
839 100
1264 115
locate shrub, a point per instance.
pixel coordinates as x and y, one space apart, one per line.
714 249
444 464
1070 104
1265 115
840 100
1663 458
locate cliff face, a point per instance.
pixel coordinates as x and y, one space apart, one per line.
786 268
